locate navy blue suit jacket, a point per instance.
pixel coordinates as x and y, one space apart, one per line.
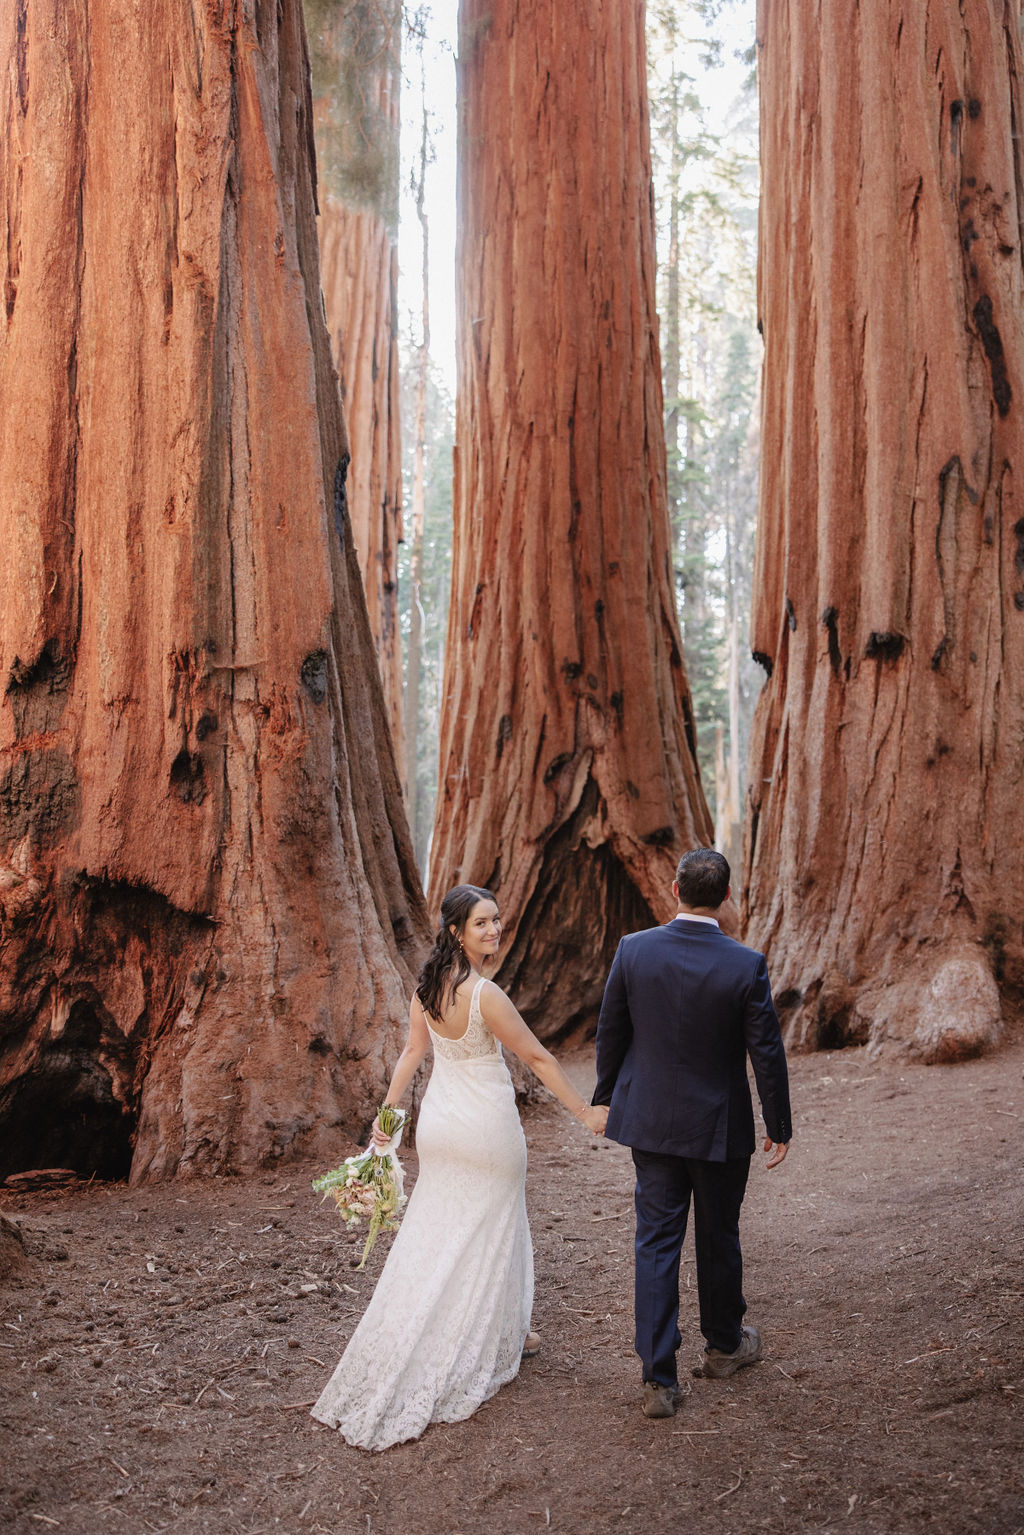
683 1008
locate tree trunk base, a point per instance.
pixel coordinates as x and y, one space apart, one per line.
90 975
583 902
940 1005
14 1260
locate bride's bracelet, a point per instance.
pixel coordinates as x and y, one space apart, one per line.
579 1113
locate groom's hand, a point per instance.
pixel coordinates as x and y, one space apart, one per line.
778 1148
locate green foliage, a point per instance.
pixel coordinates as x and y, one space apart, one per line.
706 197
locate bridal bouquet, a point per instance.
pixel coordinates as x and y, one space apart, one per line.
370 1186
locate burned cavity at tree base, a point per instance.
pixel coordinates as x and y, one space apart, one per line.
91 974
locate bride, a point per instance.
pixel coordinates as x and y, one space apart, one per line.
449 1320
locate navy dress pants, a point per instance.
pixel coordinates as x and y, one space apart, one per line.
664 1186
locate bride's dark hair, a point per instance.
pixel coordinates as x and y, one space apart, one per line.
446 966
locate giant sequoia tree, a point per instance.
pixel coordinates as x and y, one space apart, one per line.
883 850
356 61
208 903
568 781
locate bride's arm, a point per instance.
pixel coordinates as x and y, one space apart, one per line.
506 1025
408 1063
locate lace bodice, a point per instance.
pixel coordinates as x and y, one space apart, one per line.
477 1040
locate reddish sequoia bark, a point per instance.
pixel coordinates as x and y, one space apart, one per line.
568 777
356 47
414 654
208 902
883 865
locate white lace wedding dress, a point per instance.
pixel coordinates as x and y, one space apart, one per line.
446 1325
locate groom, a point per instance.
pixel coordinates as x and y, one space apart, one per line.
683 1008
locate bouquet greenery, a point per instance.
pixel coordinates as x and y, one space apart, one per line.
370 1186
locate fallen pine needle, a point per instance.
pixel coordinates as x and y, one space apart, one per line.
291 1406
595 1220
739 1478
43 1519
114 1463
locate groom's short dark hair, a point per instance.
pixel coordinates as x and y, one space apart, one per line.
703 878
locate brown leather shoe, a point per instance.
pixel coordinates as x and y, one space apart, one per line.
661 1401
719 1365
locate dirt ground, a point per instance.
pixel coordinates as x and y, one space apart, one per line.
160 1346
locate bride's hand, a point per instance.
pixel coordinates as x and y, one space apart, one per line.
380 1140
595 1117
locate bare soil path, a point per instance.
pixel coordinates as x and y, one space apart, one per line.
155 1340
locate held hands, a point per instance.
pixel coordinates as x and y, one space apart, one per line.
778 1149
595 1117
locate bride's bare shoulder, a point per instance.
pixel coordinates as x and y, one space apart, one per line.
492 997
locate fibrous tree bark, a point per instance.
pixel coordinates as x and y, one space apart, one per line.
882 867
414 658
568 781
208 902
355 50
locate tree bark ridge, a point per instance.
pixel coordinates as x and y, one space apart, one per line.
356 57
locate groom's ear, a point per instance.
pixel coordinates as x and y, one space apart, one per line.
675 888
